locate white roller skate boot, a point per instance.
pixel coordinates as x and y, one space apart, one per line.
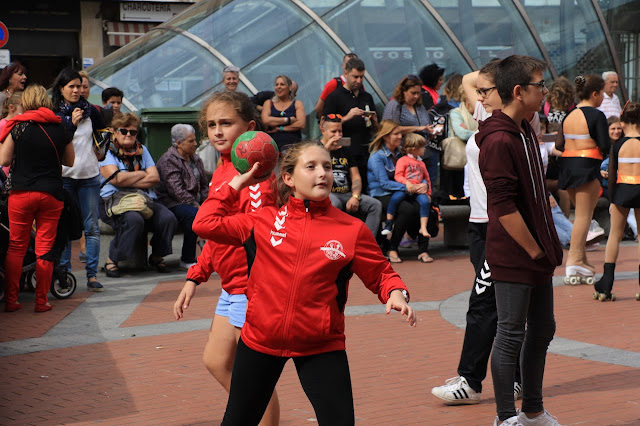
575 275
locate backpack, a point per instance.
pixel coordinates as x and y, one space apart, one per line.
439 115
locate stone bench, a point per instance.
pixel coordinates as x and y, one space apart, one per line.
455 220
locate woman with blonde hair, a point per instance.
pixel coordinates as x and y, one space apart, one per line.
385 151
284 115
38 145
453 90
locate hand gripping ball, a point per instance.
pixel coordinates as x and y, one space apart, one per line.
252 147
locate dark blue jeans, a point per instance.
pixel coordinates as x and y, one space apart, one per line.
86 192
185 213
399 196
519 304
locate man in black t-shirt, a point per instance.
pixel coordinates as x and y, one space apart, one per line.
357 111
346 193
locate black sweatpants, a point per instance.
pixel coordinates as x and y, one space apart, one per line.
325 379
482 315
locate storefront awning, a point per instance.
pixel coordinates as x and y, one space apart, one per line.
121 33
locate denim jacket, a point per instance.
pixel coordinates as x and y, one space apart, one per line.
380 173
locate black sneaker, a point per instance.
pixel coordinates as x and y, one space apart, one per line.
95 286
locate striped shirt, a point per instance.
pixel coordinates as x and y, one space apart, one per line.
610 106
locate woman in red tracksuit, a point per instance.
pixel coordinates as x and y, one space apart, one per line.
301 258
225 116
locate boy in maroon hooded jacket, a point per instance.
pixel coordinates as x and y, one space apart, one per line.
522 246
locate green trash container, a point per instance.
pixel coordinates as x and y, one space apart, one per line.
157 124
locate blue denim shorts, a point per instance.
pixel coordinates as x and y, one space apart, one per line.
232 306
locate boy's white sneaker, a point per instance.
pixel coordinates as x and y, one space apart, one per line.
544 419
456 391
511 421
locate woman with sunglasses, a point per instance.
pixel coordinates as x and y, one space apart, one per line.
584 140
81 181
129 168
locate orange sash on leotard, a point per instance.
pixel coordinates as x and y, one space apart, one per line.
632 180
584 153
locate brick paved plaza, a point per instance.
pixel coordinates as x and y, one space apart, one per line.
118 357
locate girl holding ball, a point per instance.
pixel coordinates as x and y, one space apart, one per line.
224 117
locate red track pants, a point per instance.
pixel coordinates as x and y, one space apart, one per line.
24 207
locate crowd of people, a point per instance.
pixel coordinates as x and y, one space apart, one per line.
518 153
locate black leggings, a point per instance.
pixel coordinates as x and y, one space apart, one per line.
325 379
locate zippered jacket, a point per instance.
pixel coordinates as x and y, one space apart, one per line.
230 262
512 171
301 257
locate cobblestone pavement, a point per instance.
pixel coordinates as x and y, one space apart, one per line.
118 357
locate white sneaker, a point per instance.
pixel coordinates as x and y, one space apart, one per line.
595 226
456 391
511 421
595 236
186 266
517 391
544 419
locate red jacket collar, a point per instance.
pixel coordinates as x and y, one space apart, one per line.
298 205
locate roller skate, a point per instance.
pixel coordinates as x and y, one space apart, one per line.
602 288
576 275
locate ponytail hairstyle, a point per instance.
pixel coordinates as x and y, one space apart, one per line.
15 100
236 100
588 84
631 114
289 84
288 164
65 76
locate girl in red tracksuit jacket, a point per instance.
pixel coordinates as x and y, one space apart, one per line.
301 257
226 116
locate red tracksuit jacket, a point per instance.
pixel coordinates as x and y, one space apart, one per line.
301 258
230 262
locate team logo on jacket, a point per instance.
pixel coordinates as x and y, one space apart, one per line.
333 250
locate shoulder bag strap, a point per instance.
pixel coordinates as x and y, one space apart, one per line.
52 144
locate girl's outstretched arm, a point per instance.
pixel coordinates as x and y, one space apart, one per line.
184 299
396 301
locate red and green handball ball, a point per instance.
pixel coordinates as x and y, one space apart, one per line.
255 147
